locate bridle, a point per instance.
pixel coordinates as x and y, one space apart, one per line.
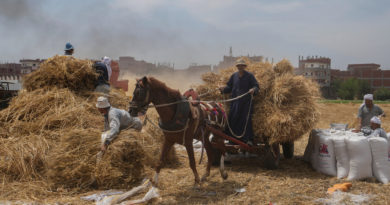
144 105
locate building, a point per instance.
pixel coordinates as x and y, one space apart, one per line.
316 68
194 68
230 60
129 64
370 72
34 64
12 73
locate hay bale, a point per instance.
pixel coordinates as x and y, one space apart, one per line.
53 133
122 165
285 107
62 72
284 67
72 161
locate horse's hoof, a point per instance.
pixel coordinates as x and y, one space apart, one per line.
225 176
204 178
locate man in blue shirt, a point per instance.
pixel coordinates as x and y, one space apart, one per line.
240 114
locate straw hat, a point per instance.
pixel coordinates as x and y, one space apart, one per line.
102 102
240 62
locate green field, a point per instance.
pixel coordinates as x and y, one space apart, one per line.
351 101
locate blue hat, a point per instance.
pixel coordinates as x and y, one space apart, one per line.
68 47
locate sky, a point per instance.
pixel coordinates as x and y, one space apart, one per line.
198 31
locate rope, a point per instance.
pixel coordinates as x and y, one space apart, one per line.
197 101
168 131
246 123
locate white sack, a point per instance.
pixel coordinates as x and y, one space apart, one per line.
380 159
360 159
326 159
342 158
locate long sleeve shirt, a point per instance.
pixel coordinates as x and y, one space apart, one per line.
117 120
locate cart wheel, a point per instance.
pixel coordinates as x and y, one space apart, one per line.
272 156
288 150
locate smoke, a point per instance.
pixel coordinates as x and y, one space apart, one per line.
40 29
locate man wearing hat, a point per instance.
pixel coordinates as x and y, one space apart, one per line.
69 49
375 126
367 111
240 114
115 120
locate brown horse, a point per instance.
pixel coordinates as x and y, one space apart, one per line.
178 123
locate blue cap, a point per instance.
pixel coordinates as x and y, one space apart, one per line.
68 47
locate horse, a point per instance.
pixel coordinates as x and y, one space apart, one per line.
177 121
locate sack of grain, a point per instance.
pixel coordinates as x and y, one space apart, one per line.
380 159
360 159
342 158
326 159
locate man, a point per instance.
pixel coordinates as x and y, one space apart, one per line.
69 49
240 83
102 84
375 126
107 61
367 111
115 120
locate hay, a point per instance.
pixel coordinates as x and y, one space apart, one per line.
52 133
62 72
123 164
285 107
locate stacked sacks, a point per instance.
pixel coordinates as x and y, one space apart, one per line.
51 132
349 154
285 107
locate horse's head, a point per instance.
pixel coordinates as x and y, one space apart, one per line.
141 97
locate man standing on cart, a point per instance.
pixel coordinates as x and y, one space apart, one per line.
240 114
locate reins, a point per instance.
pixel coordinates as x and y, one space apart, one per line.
202 101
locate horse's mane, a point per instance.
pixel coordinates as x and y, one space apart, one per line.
159 85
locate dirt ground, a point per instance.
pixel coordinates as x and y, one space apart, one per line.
294 182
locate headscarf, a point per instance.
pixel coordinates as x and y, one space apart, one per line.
107 61
367 97
376 120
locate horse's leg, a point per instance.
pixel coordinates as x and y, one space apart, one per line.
210 157
165 150
191 158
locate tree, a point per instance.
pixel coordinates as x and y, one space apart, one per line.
353 88
382 94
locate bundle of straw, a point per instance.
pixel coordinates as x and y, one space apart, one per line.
285 107
62 72
52 134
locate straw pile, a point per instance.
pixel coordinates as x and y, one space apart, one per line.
62 72
285 107
52 133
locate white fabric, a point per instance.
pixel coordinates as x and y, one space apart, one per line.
326 159
342 158
117 120
107 61
376 120
359 157
102 102
380 159
368 97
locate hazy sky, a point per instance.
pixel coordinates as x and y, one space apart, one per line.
201 31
